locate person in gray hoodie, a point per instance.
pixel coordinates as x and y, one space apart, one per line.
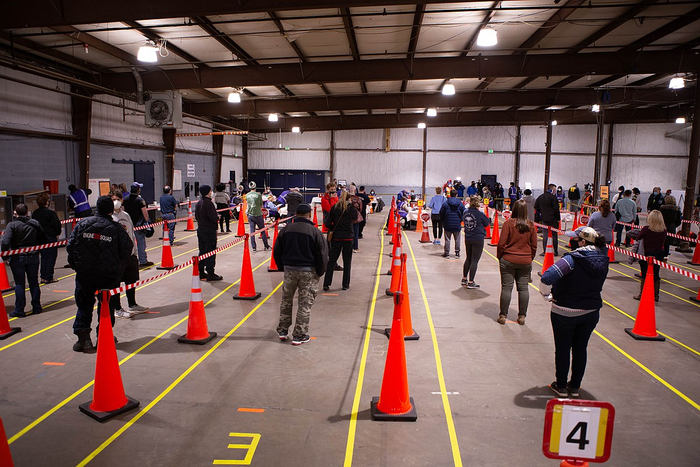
451 214
530 202
475 223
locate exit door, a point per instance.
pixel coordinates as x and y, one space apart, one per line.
145 173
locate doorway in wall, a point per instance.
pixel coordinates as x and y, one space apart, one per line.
145 173
489 180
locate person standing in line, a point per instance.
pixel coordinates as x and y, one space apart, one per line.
576 282
131 271
618 196
168 208
365 202
625 211
340 233
472 190
222 201
654 236
328 200
301 251
135 206
656 199
207 224
637 198
51 225
78 201
293 199
20 233
98 250
561 197
574 197
451 214
475 223
672 218
516 249
603 221
255 217
435 205
498 194
357 204
548 207
530 202
512 194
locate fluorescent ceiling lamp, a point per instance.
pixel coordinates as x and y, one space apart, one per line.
680 120
234 97
595 108
148 53
554 123
448 89
272 118
421 125
487 38
676 83
432 112
296 129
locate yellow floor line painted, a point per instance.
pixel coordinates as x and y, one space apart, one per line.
456 456
46 415
352 429
174 384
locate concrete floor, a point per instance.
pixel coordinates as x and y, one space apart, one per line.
495 376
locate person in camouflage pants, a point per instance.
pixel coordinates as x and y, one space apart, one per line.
301 251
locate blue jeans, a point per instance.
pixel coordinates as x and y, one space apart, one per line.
171 227
28 265
356 238
141 245
257 222
48 259
86 286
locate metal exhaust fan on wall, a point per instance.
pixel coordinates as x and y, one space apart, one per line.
164 110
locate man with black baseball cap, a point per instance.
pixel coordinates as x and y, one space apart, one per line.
207 225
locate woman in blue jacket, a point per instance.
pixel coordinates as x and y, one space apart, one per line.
451 214
434 205
475 223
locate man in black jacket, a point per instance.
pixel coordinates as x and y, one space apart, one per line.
98 250
23 232
547 206
48 219
293 199
300 251
207 225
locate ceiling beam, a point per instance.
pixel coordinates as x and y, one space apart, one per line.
352 40
484 22
416 69
415 32
546 97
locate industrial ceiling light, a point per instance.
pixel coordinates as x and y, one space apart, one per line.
680 120
234 97
148 53
296 129
487 38
448 89
595 108
421 125
272 118
432 112
676 83
554 123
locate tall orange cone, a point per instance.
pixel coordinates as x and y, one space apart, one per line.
315 217
409 334
495 236
190 219
4 280
696 255
5 456
244 210
575 226
425 237
395 252
395 271
246 291
273 265
197 330
392 212
5 329
108 398
645 324
240 232
419 222
548 253
397 229
696 299
488 227
394 402
166 261
611 256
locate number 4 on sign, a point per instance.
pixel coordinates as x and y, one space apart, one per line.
250 448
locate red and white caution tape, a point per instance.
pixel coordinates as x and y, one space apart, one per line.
33 248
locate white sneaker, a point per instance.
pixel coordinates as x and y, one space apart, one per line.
122 313
138 309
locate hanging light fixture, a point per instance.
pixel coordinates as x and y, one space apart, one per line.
676 83
432 112
148 53
595 108
421 125
448 89
554 123
272 118
296 129
487 38
680 120
234 97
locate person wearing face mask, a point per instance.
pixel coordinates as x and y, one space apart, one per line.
131 273
656 199
547 206
561 197
207 226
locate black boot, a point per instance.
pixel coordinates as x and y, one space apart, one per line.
84 343
657 286
641 289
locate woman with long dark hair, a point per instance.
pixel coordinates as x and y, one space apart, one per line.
516 250
339 223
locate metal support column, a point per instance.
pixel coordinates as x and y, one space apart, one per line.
169 135
218 147
332 158
244 157
425 158
598 153
516 169
692 176
548 154
82 126
608 162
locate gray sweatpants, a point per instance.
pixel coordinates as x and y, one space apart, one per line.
456 235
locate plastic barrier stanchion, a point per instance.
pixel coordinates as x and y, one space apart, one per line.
5 455
197 330
246 291
5 329
495 236
190 219
166 261
394 402
645 324
409 334
273 265
549 253
4 280
108 397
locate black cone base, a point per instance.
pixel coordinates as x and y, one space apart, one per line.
389 292
185 340
167 269
613 262
104 416
690 262
273 270
644 338
190 230
412 337
379 416
692 299
12 332
252 297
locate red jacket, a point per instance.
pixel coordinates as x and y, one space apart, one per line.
327 202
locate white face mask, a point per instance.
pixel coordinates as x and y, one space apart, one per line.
117 204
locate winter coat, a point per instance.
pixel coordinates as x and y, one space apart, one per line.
475 223
517 247
327 202
340 223
293 200
99 246
655 201
548 207
672 217
23 232
205 214
49 221
301 246
530 203
603 225
451 214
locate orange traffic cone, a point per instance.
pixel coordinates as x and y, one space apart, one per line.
244 210
409 334
5 456
396 251
394 402
240 232
315 218
166 261
575 226
425 237
190 219
695 299
395 271
495 236
611 256
573 463
246 291
419 222
197 330
390 224
549 253
4 281
5 329
645 324
488 227
273 265
395 222
696 255
108 398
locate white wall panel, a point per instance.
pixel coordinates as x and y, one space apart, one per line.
232 146
194 143
231 163
24 106
292 159
567 169
360 139
110 123
532 170
442 166
406 138
646 173
308 140
532 138
379 168
650 139
575 138
473 138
